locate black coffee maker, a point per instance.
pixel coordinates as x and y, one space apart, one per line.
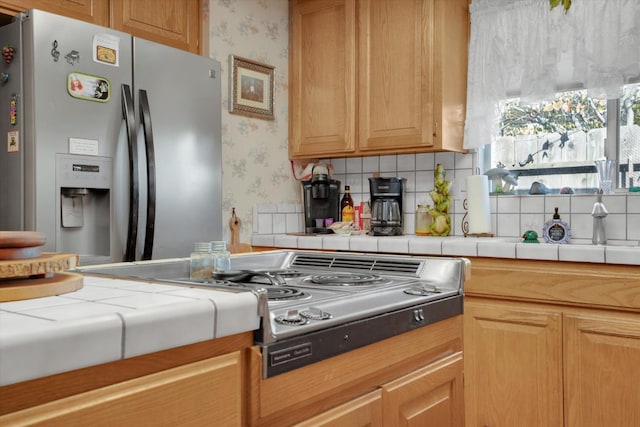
321 201
386 206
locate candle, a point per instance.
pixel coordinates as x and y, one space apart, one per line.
478 204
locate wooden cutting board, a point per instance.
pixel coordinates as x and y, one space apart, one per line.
20 289
234 225
46 264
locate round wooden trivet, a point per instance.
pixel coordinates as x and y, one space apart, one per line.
21 289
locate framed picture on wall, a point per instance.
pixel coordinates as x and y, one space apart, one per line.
251 88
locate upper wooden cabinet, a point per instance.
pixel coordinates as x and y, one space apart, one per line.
377 76
322 78
171 22
176 23
94 11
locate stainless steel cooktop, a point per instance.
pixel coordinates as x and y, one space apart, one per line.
308 297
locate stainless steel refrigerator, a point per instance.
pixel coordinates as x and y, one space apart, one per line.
112 142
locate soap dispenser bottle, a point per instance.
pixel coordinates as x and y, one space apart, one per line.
556 230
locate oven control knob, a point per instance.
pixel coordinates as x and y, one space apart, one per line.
418 315
292 316
314 313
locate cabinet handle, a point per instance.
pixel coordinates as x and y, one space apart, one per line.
435 129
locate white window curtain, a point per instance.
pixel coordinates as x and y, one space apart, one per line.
522 48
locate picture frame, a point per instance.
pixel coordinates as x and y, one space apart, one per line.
251 88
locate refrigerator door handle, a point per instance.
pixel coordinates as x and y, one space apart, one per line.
129 118
145 118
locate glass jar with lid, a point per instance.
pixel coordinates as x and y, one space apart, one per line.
222 257
202 261
423 220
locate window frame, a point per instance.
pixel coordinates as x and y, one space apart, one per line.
611 151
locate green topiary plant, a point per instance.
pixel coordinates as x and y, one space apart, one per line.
441 225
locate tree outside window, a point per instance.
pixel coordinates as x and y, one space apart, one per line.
555 143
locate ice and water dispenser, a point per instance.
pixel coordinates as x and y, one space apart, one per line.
83 186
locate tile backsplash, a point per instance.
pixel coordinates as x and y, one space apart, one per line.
511 215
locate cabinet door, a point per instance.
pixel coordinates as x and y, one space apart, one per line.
602 378
171 22
513 365
431 396
202 393
94 11
322 76
362 411
395 74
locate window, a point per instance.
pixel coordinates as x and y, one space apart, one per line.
556 143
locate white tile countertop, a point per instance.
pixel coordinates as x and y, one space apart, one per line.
111 319
616 252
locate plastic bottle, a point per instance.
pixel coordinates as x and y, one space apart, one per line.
201 262
366 216
347 210
222 257
556 230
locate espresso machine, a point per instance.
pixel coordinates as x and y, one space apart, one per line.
386 206
321 201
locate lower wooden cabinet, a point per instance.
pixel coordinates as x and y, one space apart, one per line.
513 365
602 370
363 411
208 392
411 379
551 344
429 396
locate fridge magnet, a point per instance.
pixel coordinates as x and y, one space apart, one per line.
251 88
13 141
7 53
13 109
88 87
72 57
105 49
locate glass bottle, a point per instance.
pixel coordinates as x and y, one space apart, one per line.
347 210
222 257
423 220
201 262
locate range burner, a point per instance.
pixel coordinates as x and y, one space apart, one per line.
347 279
287 273
274 293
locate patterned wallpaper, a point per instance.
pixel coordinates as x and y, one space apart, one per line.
255 165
